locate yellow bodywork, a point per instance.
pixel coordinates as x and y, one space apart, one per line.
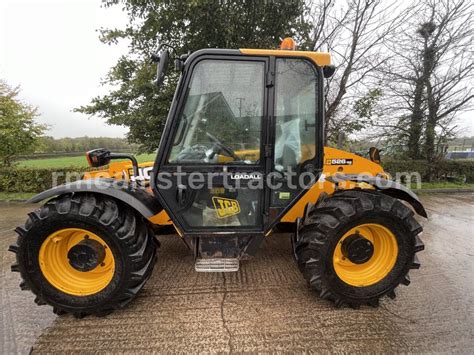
244 154
319 58
335 161
359 165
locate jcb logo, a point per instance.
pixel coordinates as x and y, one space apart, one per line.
143 173
225 207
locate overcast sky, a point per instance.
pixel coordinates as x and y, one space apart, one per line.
51 48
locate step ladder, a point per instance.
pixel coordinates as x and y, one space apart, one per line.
217 265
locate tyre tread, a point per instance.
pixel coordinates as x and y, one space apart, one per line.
331 213
137 243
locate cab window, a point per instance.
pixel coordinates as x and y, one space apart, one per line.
222 116
295 113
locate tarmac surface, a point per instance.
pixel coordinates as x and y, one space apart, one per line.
265 307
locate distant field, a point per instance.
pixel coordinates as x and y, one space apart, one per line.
67 162
444 185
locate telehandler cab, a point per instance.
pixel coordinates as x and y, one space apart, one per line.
241 157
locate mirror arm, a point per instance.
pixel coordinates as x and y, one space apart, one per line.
127 156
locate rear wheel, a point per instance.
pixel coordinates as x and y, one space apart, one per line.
358 246
84 254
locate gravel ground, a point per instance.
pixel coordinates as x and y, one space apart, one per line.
265 307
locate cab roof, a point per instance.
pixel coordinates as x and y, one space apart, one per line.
319 58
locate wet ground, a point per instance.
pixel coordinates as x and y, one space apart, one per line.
265 307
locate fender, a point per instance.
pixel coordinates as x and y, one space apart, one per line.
133 196
388 187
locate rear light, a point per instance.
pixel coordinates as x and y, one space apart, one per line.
89 162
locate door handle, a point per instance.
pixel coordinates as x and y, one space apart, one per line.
181 195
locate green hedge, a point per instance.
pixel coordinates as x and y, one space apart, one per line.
35 180
443 170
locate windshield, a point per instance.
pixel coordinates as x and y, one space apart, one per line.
222 116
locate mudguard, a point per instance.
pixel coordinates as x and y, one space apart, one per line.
129 193
388 187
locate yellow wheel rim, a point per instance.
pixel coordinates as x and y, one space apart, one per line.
384 257
55 266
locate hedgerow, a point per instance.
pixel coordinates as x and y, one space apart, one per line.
15 179
443 170
36 180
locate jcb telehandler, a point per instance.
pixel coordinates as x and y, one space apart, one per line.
241 157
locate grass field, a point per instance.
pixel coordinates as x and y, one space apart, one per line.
444 185
67 162
16 196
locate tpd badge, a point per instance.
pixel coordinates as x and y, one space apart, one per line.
339 161
225 207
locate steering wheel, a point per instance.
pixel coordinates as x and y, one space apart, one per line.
223 147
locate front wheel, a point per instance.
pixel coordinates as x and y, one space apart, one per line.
84 254
357 246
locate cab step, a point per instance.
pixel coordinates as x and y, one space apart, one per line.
217 265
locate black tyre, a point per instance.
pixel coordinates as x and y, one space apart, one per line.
357 246
84 254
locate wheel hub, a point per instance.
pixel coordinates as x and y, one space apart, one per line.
86 255
357 249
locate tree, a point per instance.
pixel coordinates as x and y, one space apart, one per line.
187 26
449 88
354 32
49 144
427 79
19 131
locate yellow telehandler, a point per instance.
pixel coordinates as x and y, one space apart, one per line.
241 157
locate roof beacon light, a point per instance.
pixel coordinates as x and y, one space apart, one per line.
288 44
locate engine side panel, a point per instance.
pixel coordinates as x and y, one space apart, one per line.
352 171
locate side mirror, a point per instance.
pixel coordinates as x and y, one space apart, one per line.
98 157
161 67
328 70
374 155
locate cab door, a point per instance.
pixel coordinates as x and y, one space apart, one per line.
211 167
298 118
